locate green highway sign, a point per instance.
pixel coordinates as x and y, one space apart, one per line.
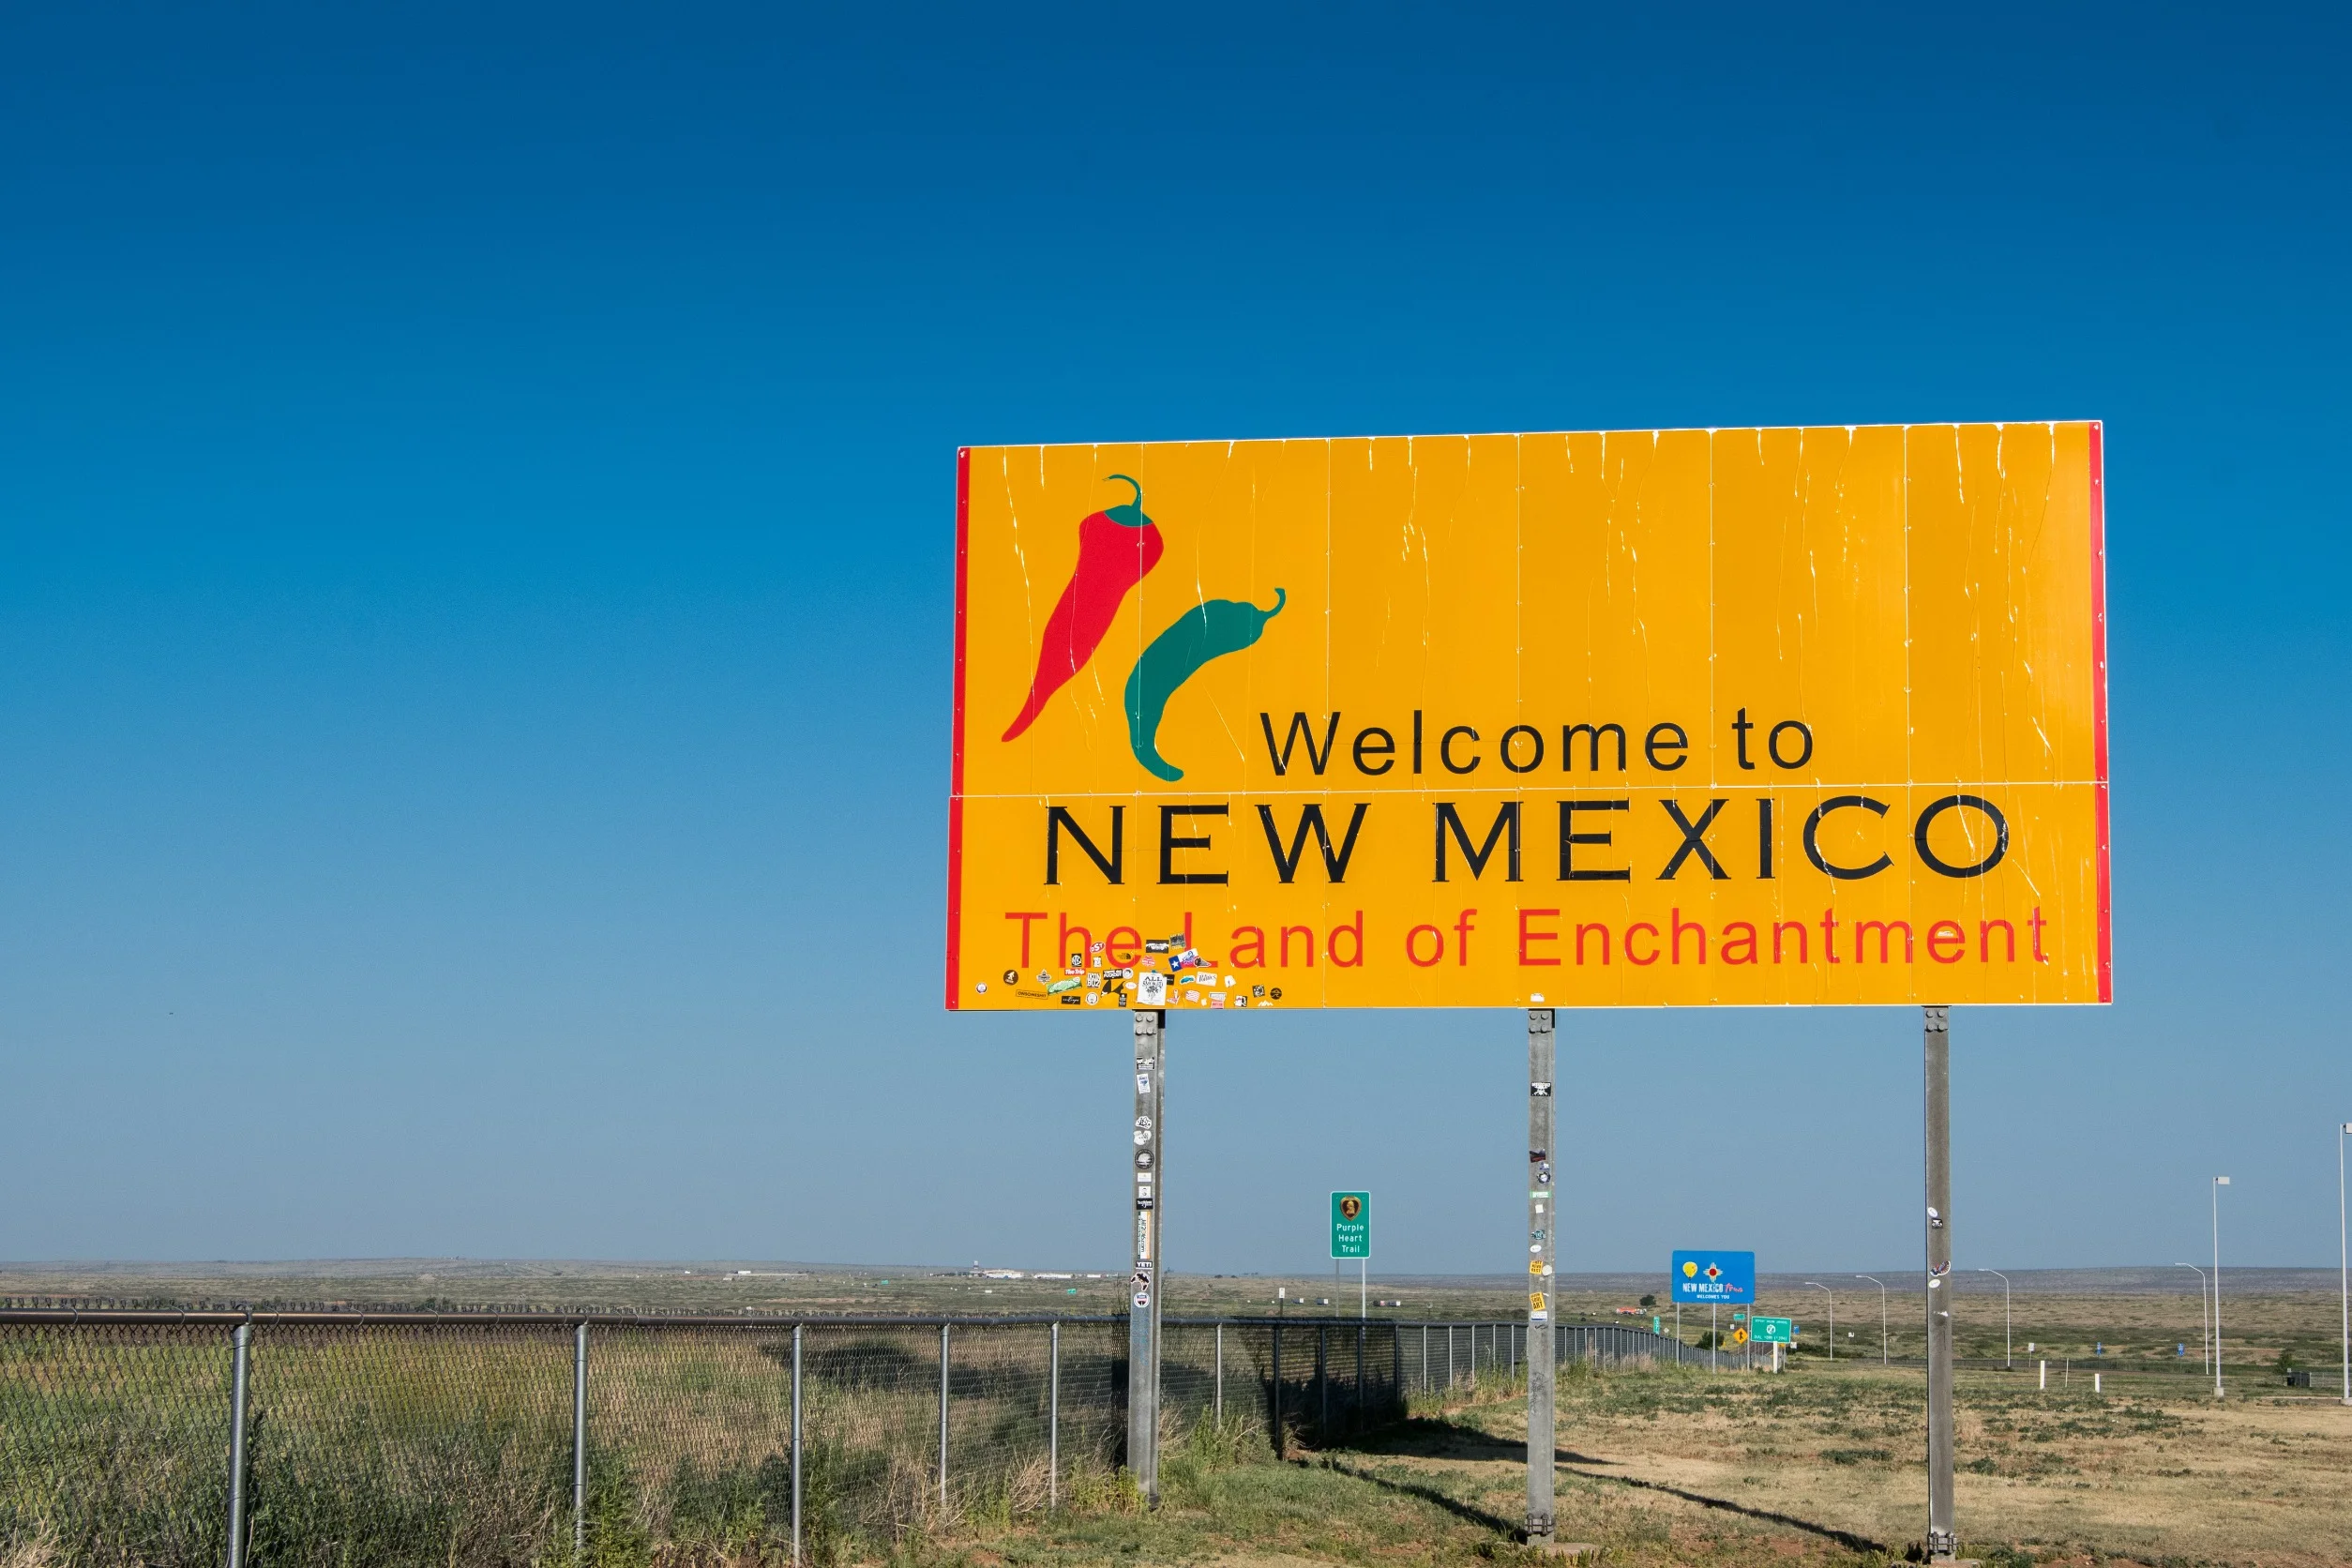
1351 1224
1773 1331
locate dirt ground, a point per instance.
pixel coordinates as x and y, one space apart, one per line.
2153 1473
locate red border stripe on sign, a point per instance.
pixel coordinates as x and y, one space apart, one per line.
956 762
2099 700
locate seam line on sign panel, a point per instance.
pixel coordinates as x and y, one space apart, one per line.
1714 695
2011 570
1013 525
1250 584
2101 803
1911 645
1518 584
1330 548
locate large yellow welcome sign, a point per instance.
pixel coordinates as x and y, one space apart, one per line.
1619 720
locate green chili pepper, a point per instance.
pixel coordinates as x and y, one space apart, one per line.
1208 630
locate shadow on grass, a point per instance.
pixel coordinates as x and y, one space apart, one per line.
1430 1494
1828 1532
1424 1438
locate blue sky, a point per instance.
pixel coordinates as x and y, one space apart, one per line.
475 505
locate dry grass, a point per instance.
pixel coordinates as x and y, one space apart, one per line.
38 1551
2153 1474
1669 1468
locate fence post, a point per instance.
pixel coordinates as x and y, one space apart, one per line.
1355 1405
1220 1394
1280 1446
1323 1381
796 1350
1053 1418
1397 1364
1424 1358
580 1440
943 1415
240 1376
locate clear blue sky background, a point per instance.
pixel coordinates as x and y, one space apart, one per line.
474 619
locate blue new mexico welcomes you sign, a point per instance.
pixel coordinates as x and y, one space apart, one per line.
1715 1278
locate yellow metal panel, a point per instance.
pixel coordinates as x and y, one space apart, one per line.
1751 717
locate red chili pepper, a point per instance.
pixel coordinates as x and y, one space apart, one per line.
1117 546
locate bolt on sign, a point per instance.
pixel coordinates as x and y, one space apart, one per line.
1351 1224
1632 719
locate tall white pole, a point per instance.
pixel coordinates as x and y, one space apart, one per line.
2219 1183
1882 1314
2005 1334
2344 1264
2205 1307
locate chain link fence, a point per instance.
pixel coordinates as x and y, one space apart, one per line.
542 1439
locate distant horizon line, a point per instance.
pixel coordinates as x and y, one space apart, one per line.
723 1266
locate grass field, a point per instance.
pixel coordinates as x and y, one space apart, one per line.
1823 1464
2140 1316
1667 1467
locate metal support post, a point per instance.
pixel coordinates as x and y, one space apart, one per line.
796 1439
2344 1263
1355 1405
1220 1392
1323 1381
1424 1358
1542 1224
580 1440
2214 1187
1053 1417
1943 1540
1144 1285
1281 1436
943 1415
240 1381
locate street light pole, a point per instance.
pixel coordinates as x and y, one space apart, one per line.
1882 1314
2344 1264
1832 1295
2005 1340
2205 1307
2218 1183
